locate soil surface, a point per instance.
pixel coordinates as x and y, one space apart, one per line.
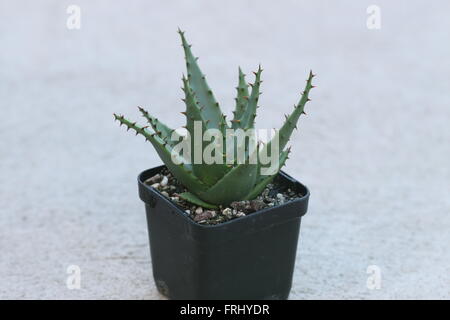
273 195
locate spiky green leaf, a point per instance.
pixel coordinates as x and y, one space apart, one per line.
210 107
234 185
209 174
247 120
183 172
161 129
192 198
263 181
241 100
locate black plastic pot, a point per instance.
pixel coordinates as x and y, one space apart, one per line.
250 257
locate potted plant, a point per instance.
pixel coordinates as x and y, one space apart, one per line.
221 229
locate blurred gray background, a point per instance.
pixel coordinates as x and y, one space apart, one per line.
374 148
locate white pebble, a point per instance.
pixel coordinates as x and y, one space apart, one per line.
164 181
227 212
198 210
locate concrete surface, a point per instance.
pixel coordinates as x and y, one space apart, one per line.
374 148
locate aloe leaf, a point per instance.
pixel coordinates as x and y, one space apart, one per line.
193 112
263 181
210 107
247 119
290 124
182 172
241 100
208 173
192 198
233 186
161 129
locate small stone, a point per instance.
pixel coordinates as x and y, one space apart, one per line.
240 214
155 185
213 213
205 215
165 194
164 181
198 210
172 187
237 205
243 205
154 179
280 198
257 205
227 212
176 199
188 211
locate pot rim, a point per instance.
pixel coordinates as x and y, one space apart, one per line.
142 177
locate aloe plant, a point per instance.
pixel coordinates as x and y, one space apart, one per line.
210 185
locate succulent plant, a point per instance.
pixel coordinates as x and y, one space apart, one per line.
210 185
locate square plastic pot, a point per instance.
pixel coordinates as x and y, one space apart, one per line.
250 257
